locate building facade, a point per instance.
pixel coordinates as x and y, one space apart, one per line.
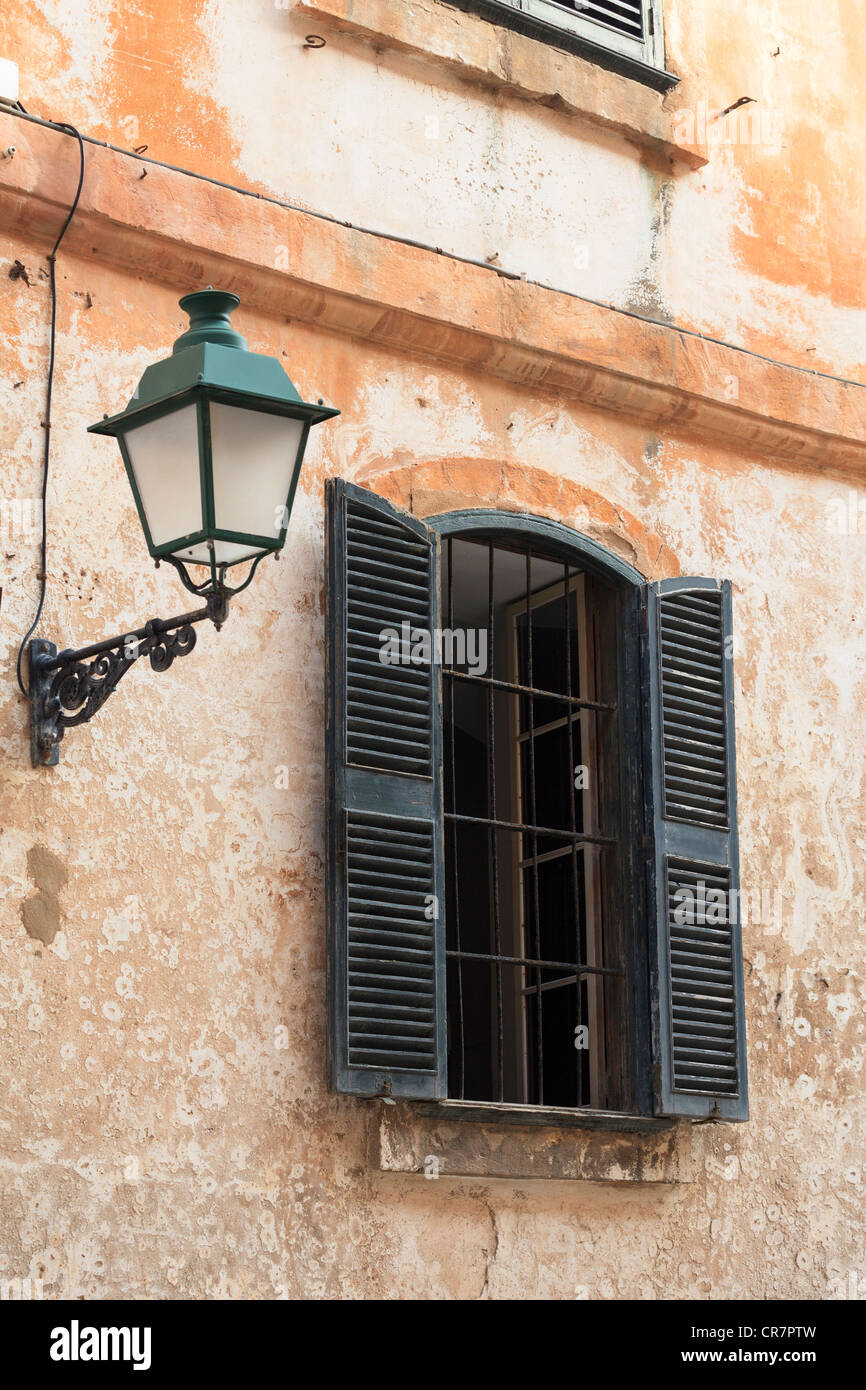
598 266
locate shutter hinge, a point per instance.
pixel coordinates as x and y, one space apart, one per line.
652 19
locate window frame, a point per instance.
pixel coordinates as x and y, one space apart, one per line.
561 542
549 22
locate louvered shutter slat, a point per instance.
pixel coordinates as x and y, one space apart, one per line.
698 1010
386 946
626 16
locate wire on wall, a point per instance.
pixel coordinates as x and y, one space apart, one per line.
46 456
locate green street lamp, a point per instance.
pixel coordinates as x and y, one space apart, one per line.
212 441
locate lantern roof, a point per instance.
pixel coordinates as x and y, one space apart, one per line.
212 357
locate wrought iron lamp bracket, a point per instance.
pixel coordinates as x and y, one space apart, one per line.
69 688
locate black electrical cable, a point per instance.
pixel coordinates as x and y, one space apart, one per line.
43 573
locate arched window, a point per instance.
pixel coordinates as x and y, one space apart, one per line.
532 838
541 889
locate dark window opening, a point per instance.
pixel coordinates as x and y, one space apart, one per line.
538 997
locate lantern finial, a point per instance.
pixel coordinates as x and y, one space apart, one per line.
209 320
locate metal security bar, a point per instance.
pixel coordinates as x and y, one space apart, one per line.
522 1035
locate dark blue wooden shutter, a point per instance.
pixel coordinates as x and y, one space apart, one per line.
386 958
694 885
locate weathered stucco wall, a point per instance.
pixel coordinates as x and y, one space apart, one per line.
164 1123
374 134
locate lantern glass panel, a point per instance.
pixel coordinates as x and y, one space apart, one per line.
254 456
165 462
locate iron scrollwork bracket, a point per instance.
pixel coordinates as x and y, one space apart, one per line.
70 688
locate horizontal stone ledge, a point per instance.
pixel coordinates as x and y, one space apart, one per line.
490 56
184 231
409 1139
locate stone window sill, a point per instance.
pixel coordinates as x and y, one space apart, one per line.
456 1139
500 59
548 1116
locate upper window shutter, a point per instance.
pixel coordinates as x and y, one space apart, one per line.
699 1032
386 958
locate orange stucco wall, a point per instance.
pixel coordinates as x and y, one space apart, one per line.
165 1127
